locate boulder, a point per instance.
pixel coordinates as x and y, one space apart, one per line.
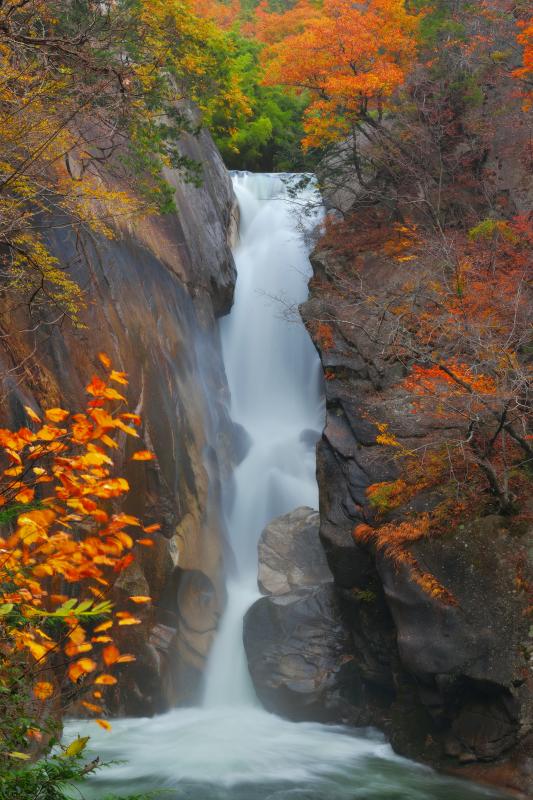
300 655
290 554
470 658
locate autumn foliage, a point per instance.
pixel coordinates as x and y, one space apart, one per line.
62 547
349 58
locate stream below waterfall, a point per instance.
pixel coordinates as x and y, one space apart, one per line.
229 748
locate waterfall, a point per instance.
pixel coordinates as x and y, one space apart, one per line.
273 375
230 748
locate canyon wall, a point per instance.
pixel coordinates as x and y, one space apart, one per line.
446 674
153 294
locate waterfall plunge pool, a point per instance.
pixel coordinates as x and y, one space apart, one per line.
230 748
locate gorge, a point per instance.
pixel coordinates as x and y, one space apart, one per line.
228 746
266 435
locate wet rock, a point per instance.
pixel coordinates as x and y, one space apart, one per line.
290 554
153 293
299 655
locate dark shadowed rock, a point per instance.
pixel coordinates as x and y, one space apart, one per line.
290 554
299 655
469 656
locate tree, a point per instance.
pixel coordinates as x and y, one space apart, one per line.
349 58
93 101
61 547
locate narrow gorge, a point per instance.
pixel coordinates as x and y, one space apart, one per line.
227 745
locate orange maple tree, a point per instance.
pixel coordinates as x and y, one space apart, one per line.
349 57
63 544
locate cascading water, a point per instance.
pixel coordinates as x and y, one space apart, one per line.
230 748
273 376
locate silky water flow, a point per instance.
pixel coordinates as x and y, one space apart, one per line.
229 748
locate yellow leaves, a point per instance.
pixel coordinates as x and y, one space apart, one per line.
384 437
76 747
71 537
43 690
143 455
38 649
26 495
49 432
104 626
126 428
32 414
118 377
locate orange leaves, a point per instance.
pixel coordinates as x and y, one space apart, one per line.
92 707
103 724
324 335
525 72
43 690
105 680
73 536
110 654
348 57
140 598
143 455
456 379
82 667
104 360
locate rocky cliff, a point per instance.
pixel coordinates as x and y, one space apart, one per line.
445 669
153 294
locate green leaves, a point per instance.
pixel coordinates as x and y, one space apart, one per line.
72 608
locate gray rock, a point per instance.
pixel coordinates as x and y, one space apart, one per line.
299 655
290 553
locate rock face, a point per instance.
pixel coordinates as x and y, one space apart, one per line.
290 554
458 674
153 294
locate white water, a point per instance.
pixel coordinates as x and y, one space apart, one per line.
230 748
273 376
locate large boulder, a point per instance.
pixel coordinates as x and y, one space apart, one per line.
290 554
300 655
470 658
